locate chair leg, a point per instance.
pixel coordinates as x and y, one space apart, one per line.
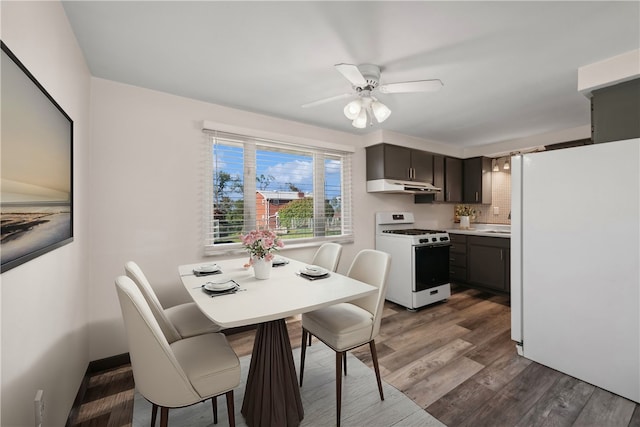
344 362
154 413
214 405
303 352
310 336
164 416
338 385
230 409
374 357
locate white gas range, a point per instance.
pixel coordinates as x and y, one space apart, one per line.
419 273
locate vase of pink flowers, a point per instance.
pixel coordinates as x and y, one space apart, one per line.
261 244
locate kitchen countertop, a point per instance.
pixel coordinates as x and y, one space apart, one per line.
487 230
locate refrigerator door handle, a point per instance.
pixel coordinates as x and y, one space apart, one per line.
516 251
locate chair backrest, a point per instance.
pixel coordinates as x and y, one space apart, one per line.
372 267
156 371
135 273
327 256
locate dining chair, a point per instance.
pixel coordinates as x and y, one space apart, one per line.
349 325
328 256
172 374
181 320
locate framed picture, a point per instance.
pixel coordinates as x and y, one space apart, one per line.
36 150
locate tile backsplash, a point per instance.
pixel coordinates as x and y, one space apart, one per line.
500 199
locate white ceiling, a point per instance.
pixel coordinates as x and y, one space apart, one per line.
509 68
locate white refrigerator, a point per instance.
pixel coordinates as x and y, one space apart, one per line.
575 262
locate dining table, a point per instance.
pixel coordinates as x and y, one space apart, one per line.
272 395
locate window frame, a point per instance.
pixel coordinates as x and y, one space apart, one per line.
318 153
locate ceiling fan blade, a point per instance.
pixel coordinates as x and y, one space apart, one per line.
417 86
352 73
325 100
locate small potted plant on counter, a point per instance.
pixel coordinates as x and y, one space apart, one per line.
464 214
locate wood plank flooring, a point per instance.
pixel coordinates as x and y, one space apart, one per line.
455 359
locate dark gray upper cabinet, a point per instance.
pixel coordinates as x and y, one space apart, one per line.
615 112
447 175
477 180
438 178
396 162
452 179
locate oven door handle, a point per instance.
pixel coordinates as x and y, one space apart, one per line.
434 245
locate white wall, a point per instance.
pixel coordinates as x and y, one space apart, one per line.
44 315
147 172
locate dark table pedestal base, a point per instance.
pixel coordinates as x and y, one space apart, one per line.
272 397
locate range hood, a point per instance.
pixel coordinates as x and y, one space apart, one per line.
398 186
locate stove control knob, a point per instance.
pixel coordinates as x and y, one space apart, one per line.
444 239
424 240
433 239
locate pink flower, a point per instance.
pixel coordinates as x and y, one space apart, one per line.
261 243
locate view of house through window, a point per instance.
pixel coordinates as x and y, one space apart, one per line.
299 193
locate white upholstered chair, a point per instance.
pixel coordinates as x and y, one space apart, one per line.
175 373
180 321
328 256
346 326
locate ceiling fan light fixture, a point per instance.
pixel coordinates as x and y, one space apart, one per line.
352 109
360 122
380 111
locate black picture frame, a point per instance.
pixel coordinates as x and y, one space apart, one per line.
36 174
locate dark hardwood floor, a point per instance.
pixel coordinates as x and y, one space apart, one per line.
455 359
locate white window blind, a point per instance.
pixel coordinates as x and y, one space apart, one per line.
302 193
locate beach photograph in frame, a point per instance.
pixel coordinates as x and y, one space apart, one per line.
36 178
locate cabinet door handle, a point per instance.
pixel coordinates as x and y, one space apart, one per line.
501 255
476 196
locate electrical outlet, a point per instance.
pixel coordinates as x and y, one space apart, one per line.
496 210
38 407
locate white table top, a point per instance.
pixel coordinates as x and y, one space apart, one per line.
284 294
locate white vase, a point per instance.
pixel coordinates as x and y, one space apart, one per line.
464 222
261 268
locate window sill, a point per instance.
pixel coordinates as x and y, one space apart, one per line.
238 250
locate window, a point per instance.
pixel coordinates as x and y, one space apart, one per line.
302 193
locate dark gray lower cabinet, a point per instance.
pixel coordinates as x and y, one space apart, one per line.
458 258
488 262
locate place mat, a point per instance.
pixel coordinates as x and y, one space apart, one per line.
206 273
213 294
308 277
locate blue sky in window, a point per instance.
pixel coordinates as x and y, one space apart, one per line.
283 167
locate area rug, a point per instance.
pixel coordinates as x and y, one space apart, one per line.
361 404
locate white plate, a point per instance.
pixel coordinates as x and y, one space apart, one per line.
220 286
314 270
209 268
279 261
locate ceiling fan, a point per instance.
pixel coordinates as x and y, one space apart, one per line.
365 79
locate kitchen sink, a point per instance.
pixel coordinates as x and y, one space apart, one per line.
498 231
